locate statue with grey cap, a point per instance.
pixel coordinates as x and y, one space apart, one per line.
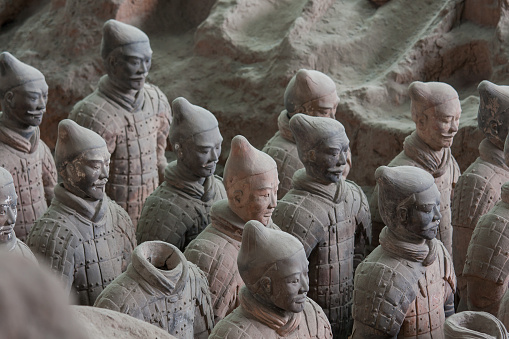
308 92
273 303
405 287
250 180
85 237
131 115
178 210
23 96
436 111
162 288
8 212
328 214
478 188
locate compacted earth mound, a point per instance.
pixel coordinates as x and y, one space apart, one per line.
235 57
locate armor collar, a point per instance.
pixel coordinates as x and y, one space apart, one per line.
266 315
283 123
150 254
333 191
425 253
17 141
131 104
492 154
432 161
91 210
184 182
227 222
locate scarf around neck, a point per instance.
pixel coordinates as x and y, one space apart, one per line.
333 191
492 154
425 253
432 161
283 123
187 183
128 102
91 210
17 141
267 316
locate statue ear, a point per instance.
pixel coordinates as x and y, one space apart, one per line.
237 196
494 127
311 155
178 150
266 285
8 97
422 119
403 215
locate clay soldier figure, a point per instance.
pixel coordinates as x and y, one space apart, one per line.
250 180
178 210
328 214
308 92
273 303
478 188
436 112
405 287
86 238
8 213
162 288
131 115
474 325
24 94
486 269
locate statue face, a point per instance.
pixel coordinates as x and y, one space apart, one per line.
424 216
438 130
200 153
258 198
290 283
327 161
129 66
8 210
27 103
86 175
324 107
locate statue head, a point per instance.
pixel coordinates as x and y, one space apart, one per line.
409 201
8 208
23 92
312 93
126 54
436 112
195 137
274 267
82 160
493 115
322 145
251 181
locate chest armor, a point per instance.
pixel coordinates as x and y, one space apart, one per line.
173 216
100 255
286 156
425 316
133 169
329 230
215 253
26 170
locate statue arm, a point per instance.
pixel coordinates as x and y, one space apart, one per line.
361 331
165 117
363 232
49 174
204 314
122 222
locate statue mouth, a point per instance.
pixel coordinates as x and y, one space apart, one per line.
5 229
37 112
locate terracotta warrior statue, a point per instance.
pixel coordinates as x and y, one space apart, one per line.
503 310
308 92
478 188
250 180
85 237
178 210
474 325
486 270
273 303
405 287
436 112
162 288
24 94
328 214
8 212
131 115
